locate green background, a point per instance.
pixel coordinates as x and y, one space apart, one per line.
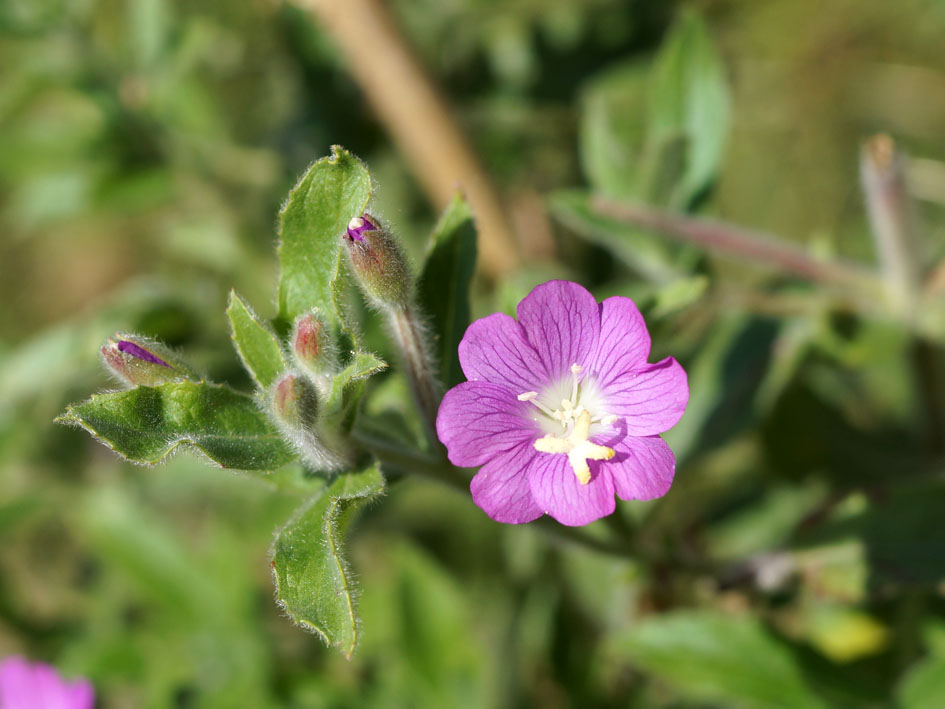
799 559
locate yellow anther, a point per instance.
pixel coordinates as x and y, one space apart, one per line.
577 447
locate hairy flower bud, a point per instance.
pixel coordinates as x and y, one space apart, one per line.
294 403
139 361
378 263
312 345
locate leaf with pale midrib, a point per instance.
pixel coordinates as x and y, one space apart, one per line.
146 424
313 582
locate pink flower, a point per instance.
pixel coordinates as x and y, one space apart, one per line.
25 685
561 409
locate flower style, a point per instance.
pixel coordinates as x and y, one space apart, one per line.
561 409
25 685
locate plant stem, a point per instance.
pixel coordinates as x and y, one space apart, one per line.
735 241
407 331
892 218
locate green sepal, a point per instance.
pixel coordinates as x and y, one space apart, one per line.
311 224
256 344
444 285
313 582
146 424
361 366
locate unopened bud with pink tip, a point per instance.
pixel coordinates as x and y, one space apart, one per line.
312 346
293 406
378 263
140 361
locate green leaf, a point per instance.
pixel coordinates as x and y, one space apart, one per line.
146 424
924 685
313 582
361 366
711 657
333 190
256 344
690 102
444 284
612 131
656 133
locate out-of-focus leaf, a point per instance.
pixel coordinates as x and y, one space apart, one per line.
901 531
844 634
679 295
690 102
923 687
313 582
639 250
656 133
333 191
146 424
444 284
765 524
612 131
711 657
257 345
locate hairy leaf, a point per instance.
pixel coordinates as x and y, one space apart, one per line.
361 366
444 284
256 344
313 582
146 424
333 190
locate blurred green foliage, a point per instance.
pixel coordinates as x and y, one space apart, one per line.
799 560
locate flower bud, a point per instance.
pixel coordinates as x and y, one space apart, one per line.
294 403
378 263
312 345
139 361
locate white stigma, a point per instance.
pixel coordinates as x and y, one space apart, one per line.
575 420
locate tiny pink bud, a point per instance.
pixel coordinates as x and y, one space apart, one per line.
294 402
378 262
312 344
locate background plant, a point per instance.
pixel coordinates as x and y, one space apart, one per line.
145 152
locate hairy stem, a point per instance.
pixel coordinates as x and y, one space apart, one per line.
892 218
735 241
407 331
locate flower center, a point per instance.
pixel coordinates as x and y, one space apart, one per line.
575 421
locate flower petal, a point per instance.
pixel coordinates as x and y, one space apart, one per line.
562 322
494 349
557 491
477 420
642 469
624 342
501 486
650 400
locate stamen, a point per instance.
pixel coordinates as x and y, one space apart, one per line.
576 369
577 447
532 396
608 420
